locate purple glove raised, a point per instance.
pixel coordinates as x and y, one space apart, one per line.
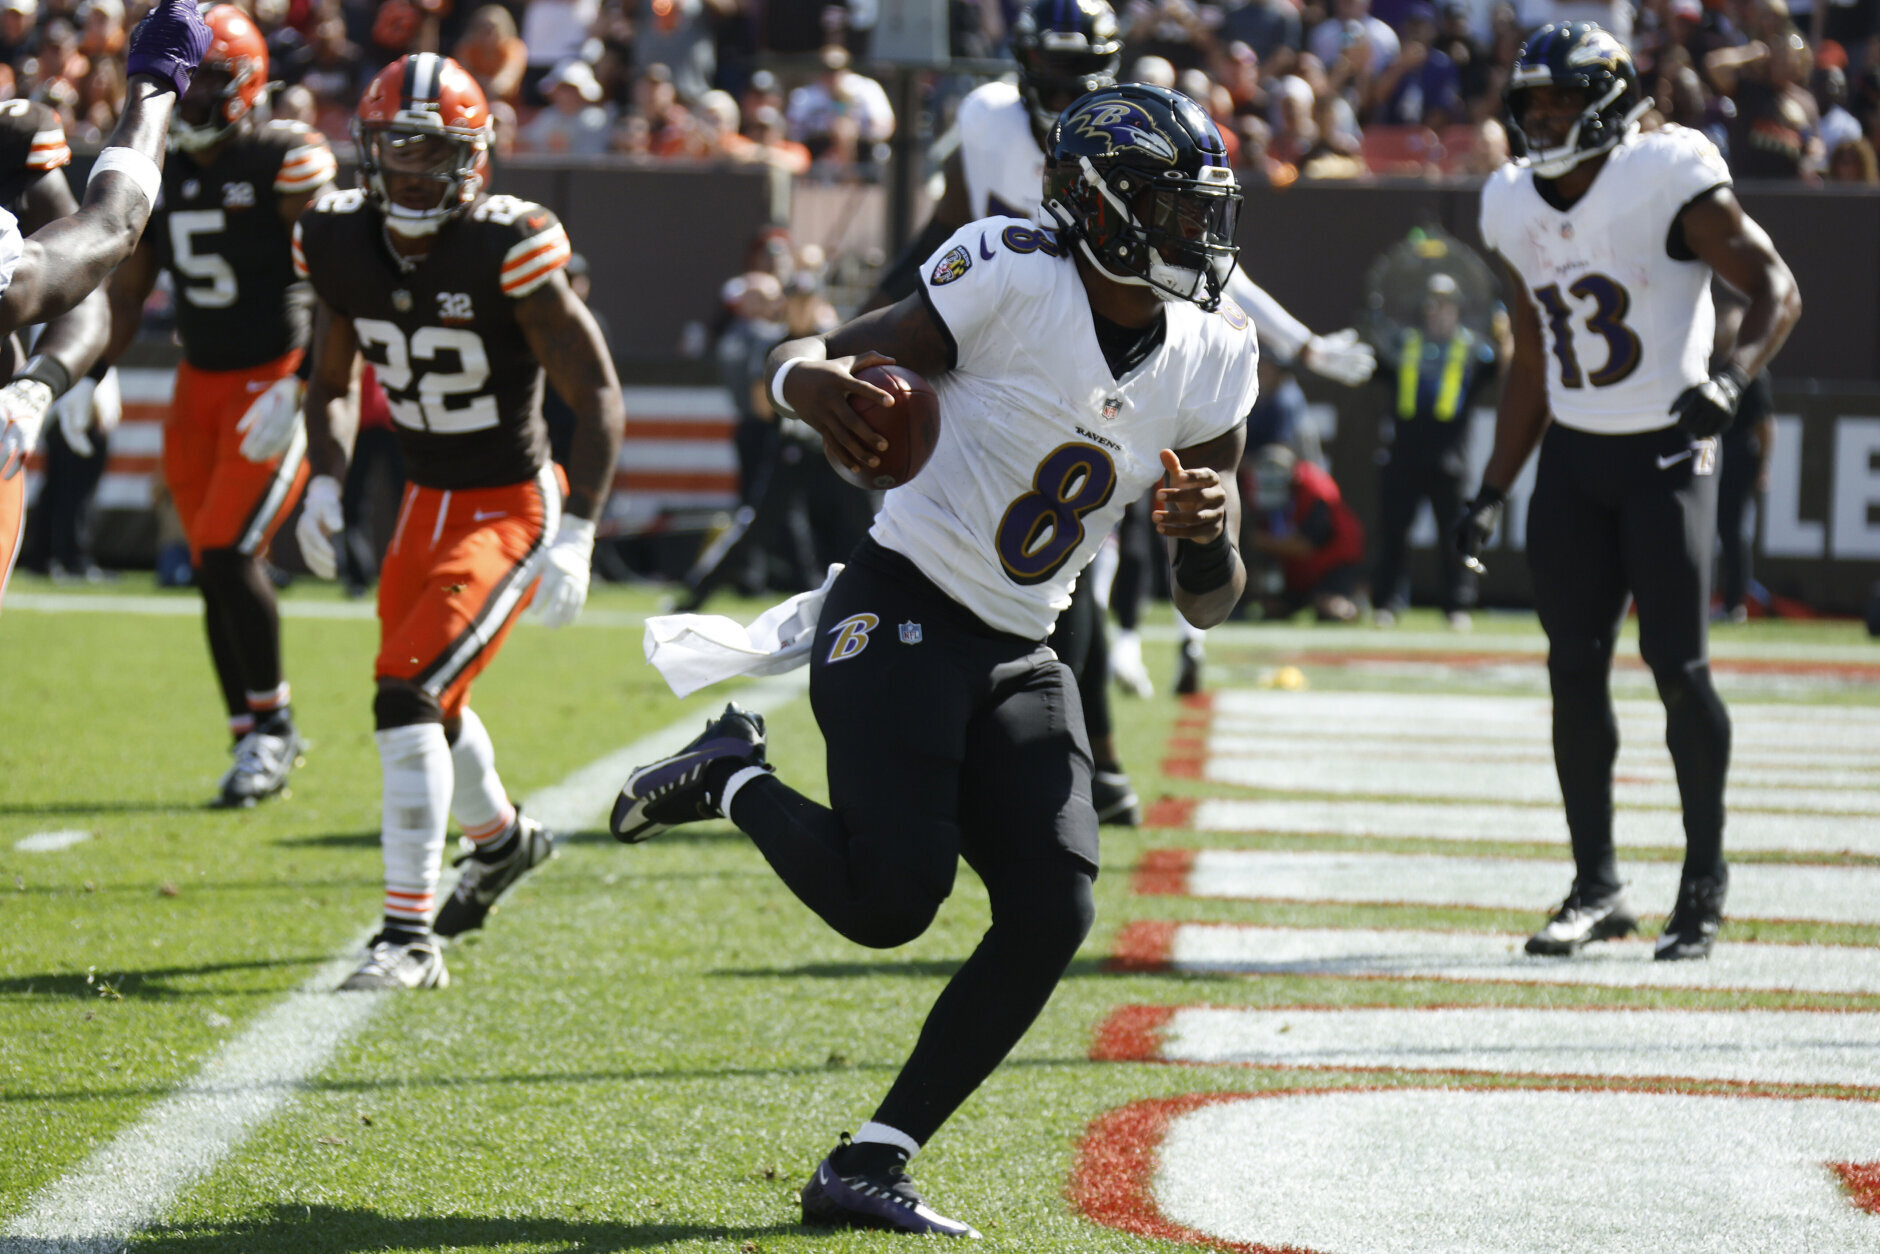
169 43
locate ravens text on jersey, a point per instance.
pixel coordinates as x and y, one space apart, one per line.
464 386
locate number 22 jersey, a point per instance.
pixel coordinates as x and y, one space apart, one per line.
1628 323
1041 447
464 386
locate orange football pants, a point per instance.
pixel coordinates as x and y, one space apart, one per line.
12 524
224 500
461 566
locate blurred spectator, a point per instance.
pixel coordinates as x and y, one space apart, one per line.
1258 165
760 92
1455 39
553 31
1270 29
575 122
1300 519
100 99
57 58
678 35
1837 125
1353 37
493 53
101 28
1853 162
1421 87
840 116
771 135
1295 130
1487 151
58 536
405 26
296 104
1775 132
288 52
1153 70
1219 104
1174 31
334 71
18 34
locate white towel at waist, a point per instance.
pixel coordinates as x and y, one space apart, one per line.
692 651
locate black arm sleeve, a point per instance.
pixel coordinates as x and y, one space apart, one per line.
904 275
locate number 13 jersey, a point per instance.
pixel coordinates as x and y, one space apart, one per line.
1628 323
465 388
1041 448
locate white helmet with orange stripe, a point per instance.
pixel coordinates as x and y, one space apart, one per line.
423 133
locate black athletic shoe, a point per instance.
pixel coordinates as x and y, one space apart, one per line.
1581 919
1188 674
480 883
846 1194
263 760
1115 798
1692 928
672 790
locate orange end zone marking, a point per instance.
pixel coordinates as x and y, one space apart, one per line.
1170 812
1198 701
1862 1181
1187 745
1183 768
1143 946
1131 1034
1163 873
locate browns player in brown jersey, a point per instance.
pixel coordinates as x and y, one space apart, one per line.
234 452
53 275
459 301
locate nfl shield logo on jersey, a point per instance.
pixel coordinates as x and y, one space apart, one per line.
1112 405
910 633
952 266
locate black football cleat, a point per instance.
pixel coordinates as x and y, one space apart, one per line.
1188 673
672 790
1692 928
1583 919
480 883
866 1186
263 760
1115 799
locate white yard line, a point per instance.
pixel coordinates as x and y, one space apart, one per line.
50 842
132 1181
1230 949
1430 820
1758 890
1762 1046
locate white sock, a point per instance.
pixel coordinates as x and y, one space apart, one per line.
416 765
477 800
881 1134
739 778
1190 633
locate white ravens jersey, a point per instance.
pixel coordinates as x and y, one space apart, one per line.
1003 163
12 247
1627 325
1041 448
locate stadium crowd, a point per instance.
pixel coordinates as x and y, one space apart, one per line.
1301 88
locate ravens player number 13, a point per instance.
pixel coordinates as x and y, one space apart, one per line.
460 301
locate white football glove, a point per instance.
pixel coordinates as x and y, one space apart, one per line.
564 585
23 405
1341 357
73 411
320 520
270 423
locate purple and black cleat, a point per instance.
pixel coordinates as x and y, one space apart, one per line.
866 1186
673 790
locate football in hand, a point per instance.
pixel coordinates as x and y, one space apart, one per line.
911 426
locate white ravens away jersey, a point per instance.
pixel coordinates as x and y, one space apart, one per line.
1003 163
1627 325
12 248
1041 448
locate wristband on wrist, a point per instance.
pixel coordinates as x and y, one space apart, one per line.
776 384
1203 568
1488 494
49 371
140 169
573 528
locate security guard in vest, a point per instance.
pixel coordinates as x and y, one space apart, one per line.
1439 367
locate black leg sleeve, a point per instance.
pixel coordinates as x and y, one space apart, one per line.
250 616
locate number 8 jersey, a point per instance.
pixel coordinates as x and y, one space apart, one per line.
465 388
1624 307
1041 448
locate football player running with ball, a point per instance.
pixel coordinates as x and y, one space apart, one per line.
460 301
234 450
53 271
1610 238
952 730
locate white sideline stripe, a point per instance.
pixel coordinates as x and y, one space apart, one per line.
50 842
129 1183
1755 732
1413 820
1486 714
1229 949
1767 1046
1440 1171
1465 780
1758 890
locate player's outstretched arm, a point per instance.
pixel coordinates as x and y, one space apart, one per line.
1341 356
813 377
67 259
1197 509
567 341
952 212
1520 421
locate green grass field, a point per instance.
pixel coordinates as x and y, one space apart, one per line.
648 1048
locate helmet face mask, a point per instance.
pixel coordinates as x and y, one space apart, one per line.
422 132
1138 177
1064 49
1572 57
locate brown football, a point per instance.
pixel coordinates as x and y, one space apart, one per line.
911 427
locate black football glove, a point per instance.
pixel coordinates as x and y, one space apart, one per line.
1708 408
1478 524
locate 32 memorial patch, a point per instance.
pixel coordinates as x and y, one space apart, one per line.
950 267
